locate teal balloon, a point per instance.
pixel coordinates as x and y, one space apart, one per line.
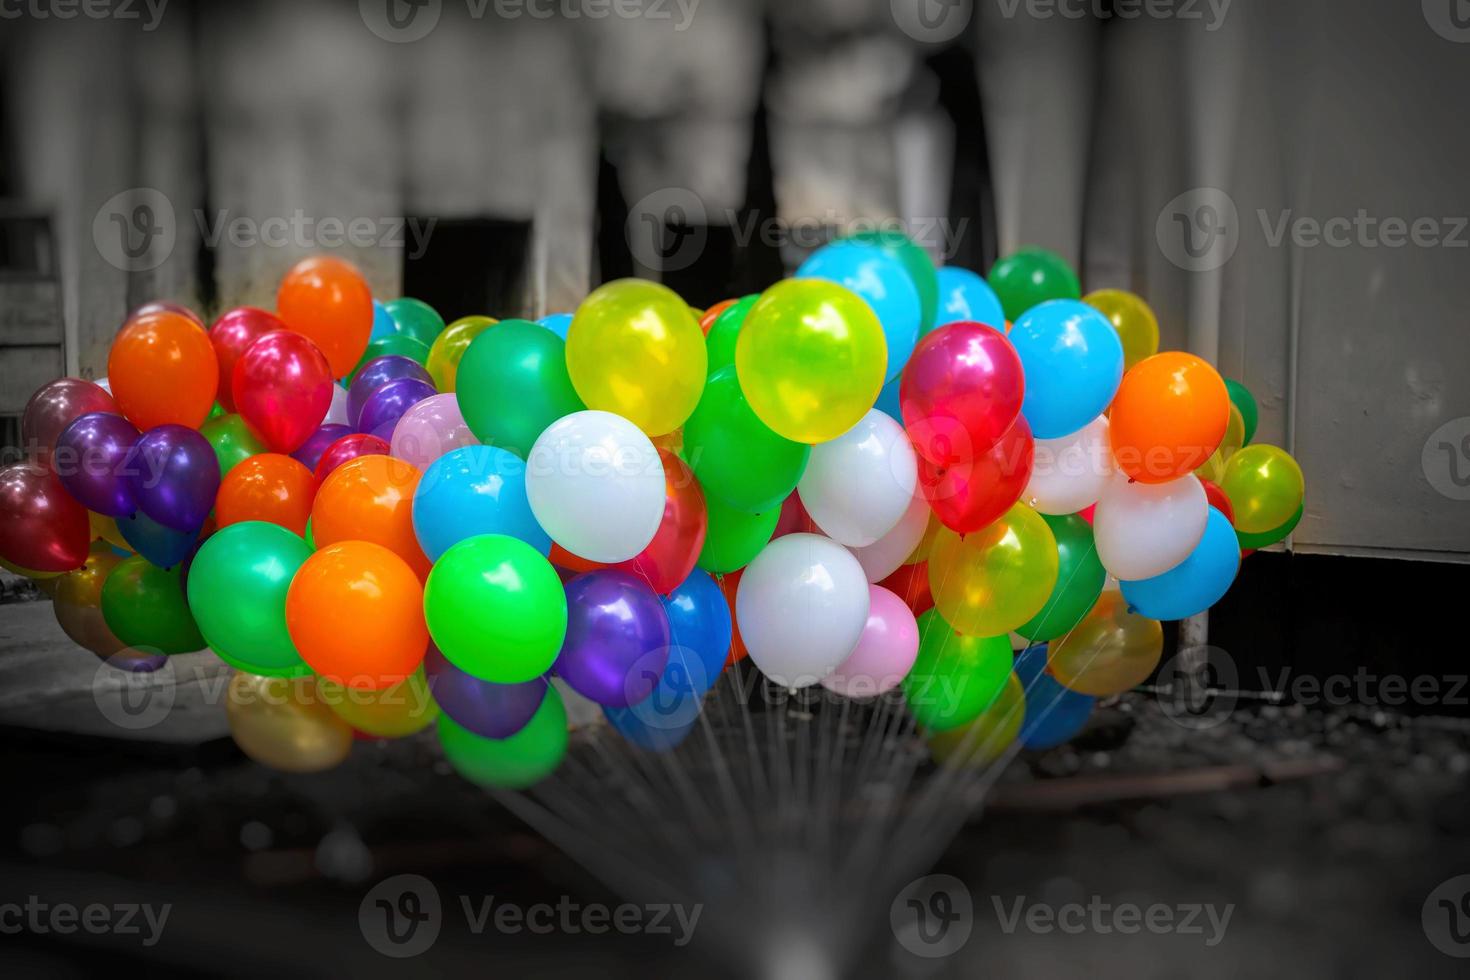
415 319
383 325
237 593
513 383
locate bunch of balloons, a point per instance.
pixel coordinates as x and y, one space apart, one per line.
873 476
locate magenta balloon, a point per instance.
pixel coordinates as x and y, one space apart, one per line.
175 476
232 334
383 409
885 653
617 642
429 429
283 388
309 453
53 407
90 459
961 391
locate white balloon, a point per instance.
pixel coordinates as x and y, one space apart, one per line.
337 411
1145 529
596 485
885 556
1070 473
802 606
860 484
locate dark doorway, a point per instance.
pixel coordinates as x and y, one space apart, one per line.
468 266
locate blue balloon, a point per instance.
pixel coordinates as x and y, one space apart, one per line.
1053 713
965 295
888 400
474 490
162 546
1196 583
883 282
383 325
557 323
1074 362
699 620
650 731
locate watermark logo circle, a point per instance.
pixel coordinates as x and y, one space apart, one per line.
1199 230
401 916
1197 687
679 685
134 700
931 21
1448 19
932 916
667 229
1446 459
135 230
1446 917
400 21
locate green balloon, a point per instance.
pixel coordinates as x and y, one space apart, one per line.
232 440
1245 403
521 760
496 608
237 593
735 455
416 319
1264 538
512 383
145 607
215 411
916 262
1080 579
734 537
308 536
394 344
1033 275
954 677
720 344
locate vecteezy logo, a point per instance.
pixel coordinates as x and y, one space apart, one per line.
400 916
400 21
134 230
932 916
134 699
931 21
1450 19
1446 459
1446 917
1199 230
667 230
1197 687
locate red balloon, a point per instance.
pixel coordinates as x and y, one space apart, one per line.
41 526
283 388
969 495
911 584
232 335
346 449
961 392
794 519
1216 498
670 556
53 407
1087 512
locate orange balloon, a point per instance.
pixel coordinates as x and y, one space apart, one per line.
563 558
1168 416
355 612
163 369
370 498
328 300
266 487
730 584
713 313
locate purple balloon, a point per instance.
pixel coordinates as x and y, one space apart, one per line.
175 476
617 641
386 406
310 451
490 710
376 373
90 459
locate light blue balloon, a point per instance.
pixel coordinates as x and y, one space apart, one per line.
1196 583
880 279
557 323
1073 361
699 620
888 400
383 325
965 295
474 490
1053 713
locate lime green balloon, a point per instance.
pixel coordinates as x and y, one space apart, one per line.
916 263
512 383
735 455
1080 578
397 343
523 759
734 537
1245 402
954 677
1265 487
1033 275
1258 541
145 607
237 593
215 412
415 318
496 608
232 440
725 331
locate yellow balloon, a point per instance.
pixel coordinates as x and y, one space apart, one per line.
1213 469
282 723
926 543
392 712
30 573
449 348
990 581
1265 486
105 528
1136 324
811 359
635 349
983 740
77 603
1110 651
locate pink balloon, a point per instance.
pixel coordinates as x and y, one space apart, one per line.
429 429
884 654
53 407
961 391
